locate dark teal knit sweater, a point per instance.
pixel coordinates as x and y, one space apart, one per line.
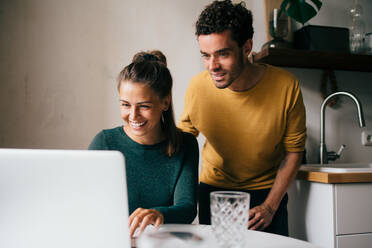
167 184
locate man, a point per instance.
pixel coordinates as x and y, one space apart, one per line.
252 116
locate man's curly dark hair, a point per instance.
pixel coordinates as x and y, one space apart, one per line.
224 15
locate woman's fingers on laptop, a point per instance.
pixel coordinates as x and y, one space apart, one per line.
147 220
133 226
134 214
141 218
159 221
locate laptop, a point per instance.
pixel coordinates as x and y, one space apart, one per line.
63 199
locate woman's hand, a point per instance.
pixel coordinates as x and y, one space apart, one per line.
260 217
141 217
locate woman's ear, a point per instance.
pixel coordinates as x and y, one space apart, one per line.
166 102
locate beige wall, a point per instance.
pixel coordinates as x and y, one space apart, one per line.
59 60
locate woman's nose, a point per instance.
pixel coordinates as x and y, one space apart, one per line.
133 112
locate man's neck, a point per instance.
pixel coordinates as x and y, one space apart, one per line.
250 76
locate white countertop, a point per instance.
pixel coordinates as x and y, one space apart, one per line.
206 238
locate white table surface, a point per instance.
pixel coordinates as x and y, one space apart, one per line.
254 239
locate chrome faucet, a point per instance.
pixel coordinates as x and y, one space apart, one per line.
324 155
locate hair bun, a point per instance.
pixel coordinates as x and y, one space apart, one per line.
154 55
149 57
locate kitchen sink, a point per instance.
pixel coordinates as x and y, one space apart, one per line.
341 168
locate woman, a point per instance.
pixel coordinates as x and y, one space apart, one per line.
161 161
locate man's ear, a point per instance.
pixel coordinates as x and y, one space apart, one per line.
247 47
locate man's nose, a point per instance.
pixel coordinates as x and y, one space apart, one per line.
213 64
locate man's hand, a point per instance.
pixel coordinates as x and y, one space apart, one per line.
141 218
260 217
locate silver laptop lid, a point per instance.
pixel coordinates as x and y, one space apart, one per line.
63 198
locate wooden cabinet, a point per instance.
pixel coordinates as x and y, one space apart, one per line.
331 215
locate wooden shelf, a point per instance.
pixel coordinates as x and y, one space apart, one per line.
315 59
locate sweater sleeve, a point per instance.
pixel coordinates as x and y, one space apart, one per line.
184 209
185 122
99 142
295 134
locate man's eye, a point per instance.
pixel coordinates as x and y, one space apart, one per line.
124 105
224 54
145 106
205 56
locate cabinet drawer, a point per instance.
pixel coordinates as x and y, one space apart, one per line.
353 208
357 241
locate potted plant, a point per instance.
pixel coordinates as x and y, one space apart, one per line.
314 37
300 10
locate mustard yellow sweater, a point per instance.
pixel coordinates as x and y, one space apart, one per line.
247 133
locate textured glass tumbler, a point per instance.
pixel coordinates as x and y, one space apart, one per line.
229 213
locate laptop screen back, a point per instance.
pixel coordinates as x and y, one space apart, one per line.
63 198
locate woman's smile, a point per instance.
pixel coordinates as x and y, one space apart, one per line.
136 124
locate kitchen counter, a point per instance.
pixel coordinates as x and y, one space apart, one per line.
335 177
330 205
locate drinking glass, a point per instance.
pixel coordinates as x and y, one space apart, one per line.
356 28
229 212
368 45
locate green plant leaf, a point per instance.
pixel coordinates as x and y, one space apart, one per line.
299 10
283 7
